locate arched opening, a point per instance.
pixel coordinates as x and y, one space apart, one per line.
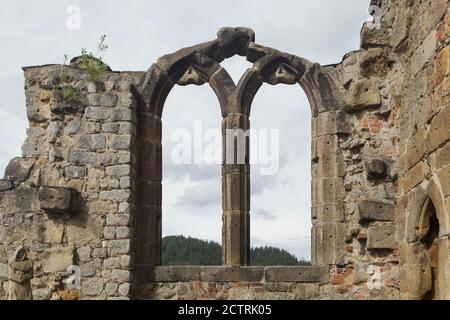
191 179
280 155
429 232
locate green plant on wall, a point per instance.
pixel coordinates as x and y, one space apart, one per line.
347 107
62 86
93 63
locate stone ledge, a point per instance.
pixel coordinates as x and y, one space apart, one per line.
301 274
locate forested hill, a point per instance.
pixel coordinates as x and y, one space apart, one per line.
179 250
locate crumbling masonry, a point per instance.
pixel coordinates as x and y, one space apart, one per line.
87 189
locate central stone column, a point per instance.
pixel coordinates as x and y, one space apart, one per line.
236 190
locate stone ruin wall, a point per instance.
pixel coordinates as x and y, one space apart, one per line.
73 198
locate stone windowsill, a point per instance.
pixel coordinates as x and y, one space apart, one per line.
302 274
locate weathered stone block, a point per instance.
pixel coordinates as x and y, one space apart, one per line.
123 232
376 168
91 127
33 148
439 132
124 289
350 65
121 114
120 275
3 271
296 274
115 195
381 236
334 122
372 210
38 112
223 273
20 201
88 269
110 127
329 212
365 93
413 177
443 156
84 254
327 190
444 179
175 273
117 219
111 263
118 247
109 100
374 37
121 142
75 172
91 142
119 170
58 260
423 54
56 200
111 288
5 185
92 287
82 157
98 113
74 126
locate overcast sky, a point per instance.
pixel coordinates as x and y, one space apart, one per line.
140 31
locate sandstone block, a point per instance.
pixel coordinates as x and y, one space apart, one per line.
92 287
119 170
91 142
84 254
121 142
124 289
372 210
439 131
74 126
88 269
97 113
381 236
121 114
376 168
109 100
118 247
111 288
5 185
58 260
56 200
120 275
33 149
423 54
296 274
115 195
117 219
365 93
20 201
75 172
3 271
